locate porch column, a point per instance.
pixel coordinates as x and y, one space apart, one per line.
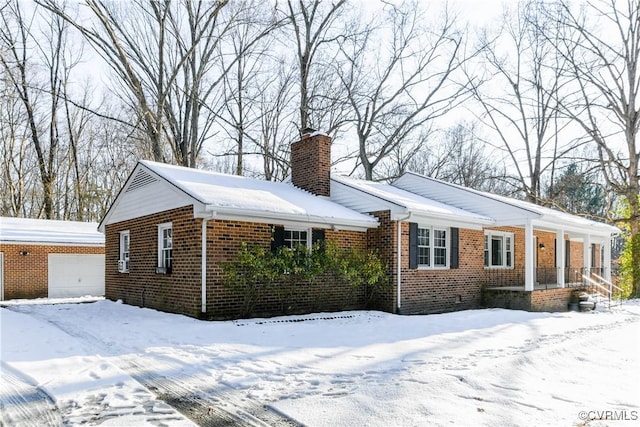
586 249
560 257
528 256
606 262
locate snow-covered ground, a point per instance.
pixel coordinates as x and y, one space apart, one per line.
99 362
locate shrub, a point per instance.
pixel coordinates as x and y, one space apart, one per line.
255 269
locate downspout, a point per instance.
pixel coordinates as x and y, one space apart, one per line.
399 262
203 262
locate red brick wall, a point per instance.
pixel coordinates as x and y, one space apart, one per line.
434 291
180 291
311 164
26 276
384 239
429 291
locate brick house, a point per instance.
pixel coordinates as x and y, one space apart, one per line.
171 228
446 247
451 248
48 258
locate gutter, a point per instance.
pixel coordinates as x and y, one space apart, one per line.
264 216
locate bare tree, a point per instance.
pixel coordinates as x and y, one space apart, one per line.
603 49
143 44
398 78
18 177
277 126
519 100
316 28
458 156
250 46
23 46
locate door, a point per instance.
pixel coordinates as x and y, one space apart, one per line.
75 275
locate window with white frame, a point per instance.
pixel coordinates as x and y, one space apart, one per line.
433 247
123 260
165 246
498 249
292 238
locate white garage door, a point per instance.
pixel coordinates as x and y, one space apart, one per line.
75 275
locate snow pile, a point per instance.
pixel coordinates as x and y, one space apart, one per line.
479 367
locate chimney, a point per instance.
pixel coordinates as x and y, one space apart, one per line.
311 162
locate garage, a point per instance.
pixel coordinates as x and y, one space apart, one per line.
42 258
74 275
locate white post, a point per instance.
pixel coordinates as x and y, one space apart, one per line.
528 256
560 257
586 249
606 262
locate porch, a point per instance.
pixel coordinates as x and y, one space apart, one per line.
543 278
506 289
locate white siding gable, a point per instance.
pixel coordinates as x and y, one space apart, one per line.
144 194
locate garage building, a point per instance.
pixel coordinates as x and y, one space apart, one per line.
48 258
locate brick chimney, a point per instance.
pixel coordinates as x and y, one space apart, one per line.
311 162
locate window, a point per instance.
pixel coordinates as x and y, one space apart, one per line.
432 247
123 261
498 249
165 248
292 238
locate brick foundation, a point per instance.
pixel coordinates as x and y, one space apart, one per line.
542 300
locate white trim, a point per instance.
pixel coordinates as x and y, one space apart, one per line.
560 257
488 233
161 228
121 251
203 262
41 243
432 247
296 220
309 234
529 266
586 252
606 262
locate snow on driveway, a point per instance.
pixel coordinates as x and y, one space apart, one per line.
478 367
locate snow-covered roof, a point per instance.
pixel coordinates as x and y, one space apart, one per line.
230 196
45 231
371 196
504 210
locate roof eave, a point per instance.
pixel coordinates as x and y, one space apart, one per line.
221 212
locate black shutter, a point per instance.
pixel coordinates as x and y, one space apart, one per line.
317 237
453 262
277 239
567 253
413 245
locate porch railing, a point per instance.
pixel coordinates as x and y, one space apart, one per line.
544 277
604 288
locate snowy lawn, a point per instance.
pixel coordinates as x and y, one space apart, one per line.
479 367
